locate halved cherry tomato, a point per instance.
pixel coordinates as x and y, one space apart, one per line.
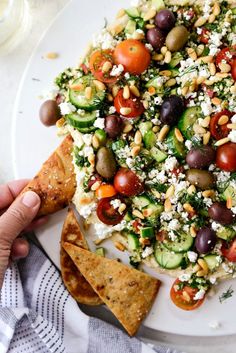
84 68
107 213
204 37
226 157
133 55
227 54
136 224
161 235
229 251
133 103
96 61
127 182
233 70
219 131
179 299
105 190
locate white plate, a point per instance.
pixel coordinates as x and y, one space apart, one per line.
32 143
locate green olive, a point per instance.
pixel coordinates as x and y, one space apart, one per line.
177 38
105 163
200 178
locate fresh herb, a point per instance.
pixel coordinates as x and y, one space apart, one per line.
159 187
63 78
134 262
196 202
226 295
80 160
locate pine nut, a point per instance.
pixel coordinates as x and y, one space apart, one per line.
149 15
178 135
147 212
135 91
135 151
211 18
107 66
122 208
222 74
76 87
212 69
163 132
184 91
167 205
110 97
225 68
196 268
115 90
223 120
126 92
125 111
203 264
201 273
167 73
95 142
99 85
138 214
170 192
191 190
117 28
156 193
222 141
200 22
167 58
51 55
155 129
233 89
192 54
208 193
138 138
205 59
171 82
85 200
119 246
157 57
95 186
138 35
164 50
193 231
198 129
188 208
120 13
209 82
216 9
216 101
229 202
127 128
186 296
145 104
88 92
205 122
149 26
206 138
60 122
231 126
91 159
200 49
192 88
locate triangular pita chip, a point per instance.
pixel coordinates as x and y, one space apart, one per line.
127 292
74 281
55 183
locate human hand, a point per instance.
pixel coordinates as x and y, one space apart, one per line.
16 215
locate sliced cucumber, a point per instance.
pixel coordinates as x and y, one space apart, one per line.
182 244
141 201
211 261
149 139
130 27
226 233
230 192
147 232
84 121
177 148
187 121
133 12
175 60
79 99
158 4
133 241
100 251
158 155
144 127
167 259
128 217
157 209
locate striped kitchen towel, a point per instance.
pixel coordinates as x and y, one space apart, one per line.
38 315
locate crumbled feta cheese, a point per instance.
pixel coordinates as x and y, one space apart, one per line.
99 123
172 235
85 211
184 277
200 294
206 106
226 268
215 226
117 70
158 100
188 144
115 203
130 162
147 251
170 163
87 151
212 279
103 231
112 109
77 136
233 209
66 108
233 119
174 224
214 324
104 40
87 139
148 46
232 136
192 256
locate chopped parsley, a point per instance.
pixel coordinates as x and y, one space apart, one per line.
226 295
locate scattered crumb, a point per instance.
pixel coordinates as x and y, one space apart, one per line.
214 325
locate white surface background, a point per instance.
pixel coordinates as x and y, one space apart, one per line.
11 69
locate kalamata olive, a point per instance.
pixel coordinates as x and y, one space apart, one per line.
156 38
105 163
49 112
171 109
205 240
200 157
200 178
165 20
113 126
220 213
177 38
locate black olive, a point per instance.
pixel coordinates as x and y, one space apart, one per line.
171 110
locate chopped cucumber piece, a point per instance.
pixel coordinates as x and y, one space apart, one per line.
167 259
133 241
149 139
182 244
211 261
157 209
158 155
133 12
234 11
144 127
128 217
100 251
130 27
156 83
78 97
147 232
187 120
141 201
225 233
158 4
230 192
177 148
101 136
175 60
82 122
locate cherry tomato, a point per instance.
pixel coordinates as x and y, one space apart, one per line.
105 190
136 224
107 213
161 235
226 157
180 300
127 182
227 54
84 68
219 131
233 71
229 251
133 103
133 55
204 37
96 61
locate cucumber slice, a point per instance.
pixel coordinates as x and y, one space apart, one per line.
100 251
177 148
187 121
158 4
133 12
182 244
130 27
82 121
133 241
78 98
157 209
158 155
149 139
175 60
167 259
225 233
147 232
230 191
128 216
144 127
141 201
211 261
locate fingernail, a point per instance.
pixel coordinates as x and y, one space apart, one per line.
30 199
